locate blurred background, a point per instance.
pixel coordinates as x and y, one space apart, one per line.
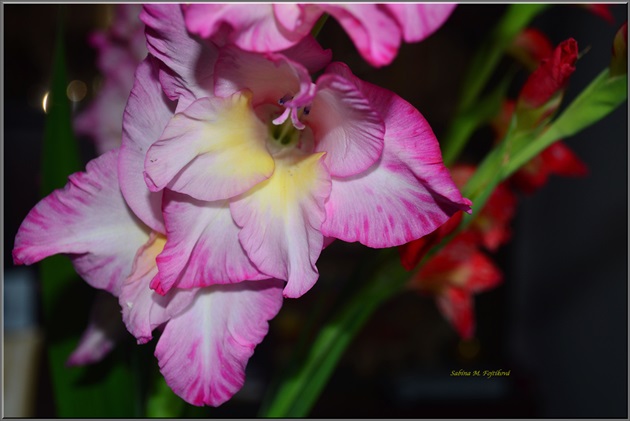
559 322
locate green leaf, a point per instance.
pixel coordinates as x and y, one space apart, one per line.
106 389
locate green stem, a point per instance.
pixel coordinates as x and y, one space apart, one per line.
603 95
319 25
298 394
481 69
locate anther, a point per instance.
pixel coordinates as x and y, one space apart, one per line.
284 99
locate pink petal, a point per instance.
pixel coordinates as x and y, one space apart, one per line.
89 220
297 18
189 62
202 247
270 77
213 150
119 50
281 220
102 119
375 34
104 330
345 126
418 21
404 196
142 308
146 115
308 53
251 27
203 352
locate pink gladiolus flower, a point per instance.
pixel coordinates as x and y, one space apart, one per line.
376 29
208 333
258 164
120 49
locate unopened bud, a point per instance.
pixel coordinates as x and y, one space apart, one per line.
619 61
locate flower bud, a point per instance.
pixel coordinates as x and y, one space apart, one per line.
551 76
619 61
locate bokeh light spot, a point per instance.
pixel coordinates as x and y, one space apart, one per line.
76 90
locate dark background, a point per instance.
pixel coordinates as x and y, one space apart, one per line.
559 321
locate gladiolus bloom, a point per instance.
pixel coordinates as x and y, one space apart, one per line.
375 29
258 164
208 333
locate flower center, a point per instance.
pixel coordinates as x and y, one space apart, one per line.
284 134
285 131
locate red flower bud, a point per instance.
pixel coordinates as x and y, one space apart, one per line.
551 76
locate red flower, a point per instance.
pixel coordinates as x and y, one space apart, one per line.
556 159
411 253
461 269
491 227
601 10
550 77
453 276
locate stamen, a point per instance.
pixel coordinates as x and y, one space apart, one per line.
279 120
295 118
285 98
